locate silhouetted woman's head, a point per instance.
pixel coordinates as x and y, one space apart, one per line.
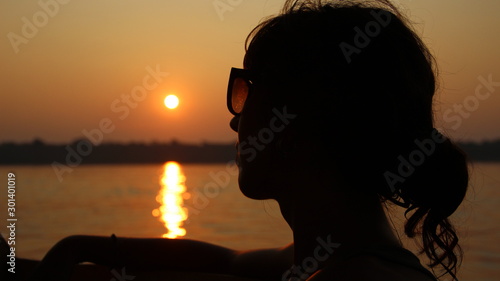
357 85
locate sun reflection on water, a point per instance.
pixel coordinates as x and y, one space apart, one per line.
171 197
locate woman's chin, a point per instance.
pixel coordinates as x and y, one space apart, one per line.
255 190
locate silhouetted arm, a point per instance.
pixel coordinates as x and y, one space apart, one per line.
156 254
263 263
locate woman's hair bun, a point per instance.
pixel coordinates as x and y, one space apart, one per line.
440 182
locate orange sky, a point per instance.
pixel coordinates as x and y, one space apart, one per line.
65 67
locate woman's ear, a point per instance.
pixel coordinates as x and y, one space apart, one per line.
294 144
286 143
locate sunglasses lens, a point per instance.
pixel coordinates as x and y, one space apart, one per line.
239 94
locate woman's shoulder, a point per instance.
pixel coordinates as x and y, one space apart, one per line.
372 268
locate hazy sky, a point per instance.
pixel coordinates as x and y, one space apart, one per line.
68 65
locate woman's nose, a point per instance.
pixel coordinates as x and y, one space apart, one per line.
234 123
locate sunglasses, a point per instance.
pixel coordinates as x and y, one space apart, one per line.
238 89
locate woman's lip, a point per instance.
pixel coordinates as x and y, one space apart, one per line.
237 156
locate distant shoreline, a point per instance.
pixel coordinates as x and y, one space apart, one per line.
84 152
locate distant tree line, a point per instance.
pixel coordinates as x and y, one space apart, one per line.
482 152
82 152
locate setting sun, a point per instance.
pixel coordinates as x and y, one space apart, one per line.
171 101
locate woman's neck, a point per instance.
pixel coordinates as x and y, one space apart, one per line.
329 224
